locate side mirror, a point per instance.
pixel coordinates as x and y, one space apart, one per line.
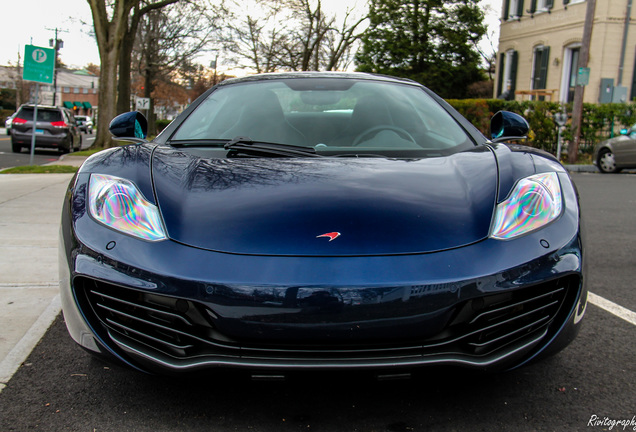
506 125
130 126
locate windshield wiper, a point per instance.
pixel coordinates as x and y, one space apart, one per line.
248 146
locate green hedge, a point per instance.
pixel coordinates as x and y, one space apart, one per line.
161 124
4 113
599 122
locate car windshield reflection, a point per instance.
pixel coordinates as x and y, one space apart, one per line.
330 115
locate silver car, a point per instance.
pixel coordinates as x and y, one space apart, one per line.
84 123
614 154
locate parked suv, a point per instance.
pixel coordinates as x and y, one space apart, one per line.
55 127
84 123
7 123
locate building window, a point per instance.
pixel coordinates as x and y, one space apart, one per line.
76 90
540 67
543 5
513 9
85 90
67 89
507 75
570 72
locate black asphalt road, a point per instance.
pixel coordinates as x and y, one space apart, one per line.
61 388
41 156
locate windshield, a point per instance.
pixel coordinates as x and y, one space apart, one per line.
328 114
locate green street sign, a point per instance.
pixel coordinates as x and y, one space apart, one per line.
583 77
39 64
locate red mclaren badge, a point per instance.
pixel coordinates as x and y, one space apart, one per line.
331 235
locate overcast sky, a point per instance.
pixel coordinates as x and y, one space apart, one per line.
33 22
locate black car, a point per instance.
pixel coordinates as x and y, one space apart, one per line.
322 221
55 128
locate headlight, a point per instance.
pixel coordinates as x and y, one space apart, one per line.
535 202
118 204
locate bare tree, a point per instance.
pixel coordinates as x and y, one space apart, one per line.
256 43
339 43
293 35
110 21
123 87
310 34
168 39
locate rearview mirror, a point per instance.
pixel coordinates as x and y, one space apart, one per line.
506 125
131 126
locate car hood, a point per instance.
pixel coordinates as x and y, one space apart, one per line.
283 206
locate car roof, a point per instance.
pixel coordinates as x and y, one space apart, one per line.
309 75
30 105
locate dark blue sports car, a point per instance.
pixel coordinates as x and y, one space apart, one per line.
321 221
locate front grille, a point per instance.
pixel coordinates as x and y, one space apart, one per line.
184 329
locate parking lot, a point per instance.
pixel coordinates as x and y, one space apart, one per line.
589 386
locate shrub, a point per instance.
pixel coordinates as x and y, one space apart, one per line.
599 122
161 124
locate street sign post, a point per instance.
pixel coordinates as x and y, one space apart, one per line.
39 66
142 103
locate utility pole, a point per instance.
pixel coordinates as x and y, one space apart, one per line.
56 44
621 64
577 110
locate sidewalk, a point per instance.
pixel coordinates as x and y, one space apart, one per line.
30 211
69 159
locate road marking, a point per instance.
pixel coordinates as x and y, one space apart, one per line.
29 285
612 308
23 348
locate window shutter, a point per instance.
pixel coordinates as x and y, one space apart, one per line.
513 72
533 6
549 4
565 2
502 70
541 62
520 8
506 9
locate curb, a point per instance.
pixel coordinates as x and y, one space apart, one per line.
582 168
69 159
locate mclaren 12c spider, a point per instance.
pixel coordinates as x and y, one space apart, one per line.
321 221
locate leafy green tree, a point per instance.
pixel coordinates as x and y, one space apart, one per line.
430 41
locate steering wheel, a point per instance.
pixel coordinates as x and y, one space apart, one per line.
376 129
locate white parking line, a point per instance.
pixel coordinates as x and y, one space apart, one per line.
612 308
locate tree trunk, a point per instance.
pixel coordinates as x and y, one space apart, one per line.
150 87
107 98
125 59
109 35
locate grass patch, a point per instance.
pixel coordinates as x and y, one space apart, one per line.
86 152
92 151
41 169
